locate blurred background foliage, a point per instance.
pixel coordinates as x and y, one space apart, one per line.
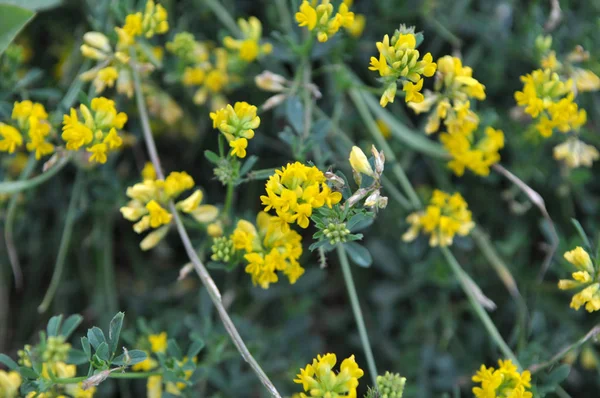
419 320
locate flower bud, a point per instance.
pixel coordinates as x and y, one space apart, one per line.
270 81
154 237
97 40
273 101
336 180
214 229
359 161
93 53
373 199
379 160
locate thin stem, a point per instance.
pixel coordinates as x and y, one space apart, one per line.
360 322
284 15
382 143
538 201
541 366
199 267
112 300
228 200
478 307
11 212
65 240
114 375
18 186
224 16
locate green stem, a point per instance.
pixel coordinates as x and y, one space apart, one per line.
284 15
65 240
228 201
224 16
112 300
207 281
11 212
468 287
114 375
358 316
382 143
18 186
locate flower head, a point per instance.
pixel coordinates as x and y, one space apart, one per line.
322 19
248 48
320 380
96 130
477 156
295 190
31 126
576 153
237 124
585 279
445 216
504 382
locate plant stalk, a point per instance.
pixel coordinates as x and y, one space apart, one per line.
358 316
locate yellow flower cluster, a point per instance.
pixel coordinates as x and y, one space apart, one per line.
295 190
504 382
268 249
98 131
550 102
152 21
237 123
585 277
32 120
319 16
478 157
61 370
157 343
445 216
154 385
249 47
150 198
9 384
399 59
320 380
454 89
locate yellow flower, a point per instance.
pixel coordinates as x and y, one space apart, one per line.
158 215
320 380
249 47
97 132
413 91
359 162
238 147
32 125
152 21
358 25
477 156
146 365
193 76
445 216
9 384
320 17
149 173
384 129
268 248
504 382
585 278
158 342
106 78
585 80
11 138
295 190
154 387
237 124
576 153
133 24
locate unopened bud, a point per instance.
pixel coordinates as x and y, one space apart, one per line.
379 160
335 179
95 380
578 55
93 53
153 238
270 81
359 161
273 101
97 40
373 199
89 75
358 195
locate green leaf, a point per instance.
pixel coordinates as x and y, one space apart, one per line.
5 359
558 375
195 348
102 351
581 233
359 221
54 325
96 337
248 165
70 324
12 20
28 373
173 349
358 254
294 112
114 332
212 157
135 356
77 357
85 344
34 5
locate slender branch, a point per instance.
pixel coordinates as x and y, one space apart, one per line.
540 366
199 267
476 304
11 212
114 375
538 201
381 142
360 322
18 186
223 15
64 243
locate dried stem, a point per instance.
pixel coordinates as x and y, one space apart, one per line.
199 267
537 200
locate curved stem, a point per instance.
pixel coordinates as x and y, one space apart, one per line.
199 267
478 307
360 322
18 186
13 255
64 243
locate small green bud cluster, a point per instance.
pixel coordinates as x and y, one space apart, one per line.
57 350
24 356
336 233
183 46
391 385
222 249
226 173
